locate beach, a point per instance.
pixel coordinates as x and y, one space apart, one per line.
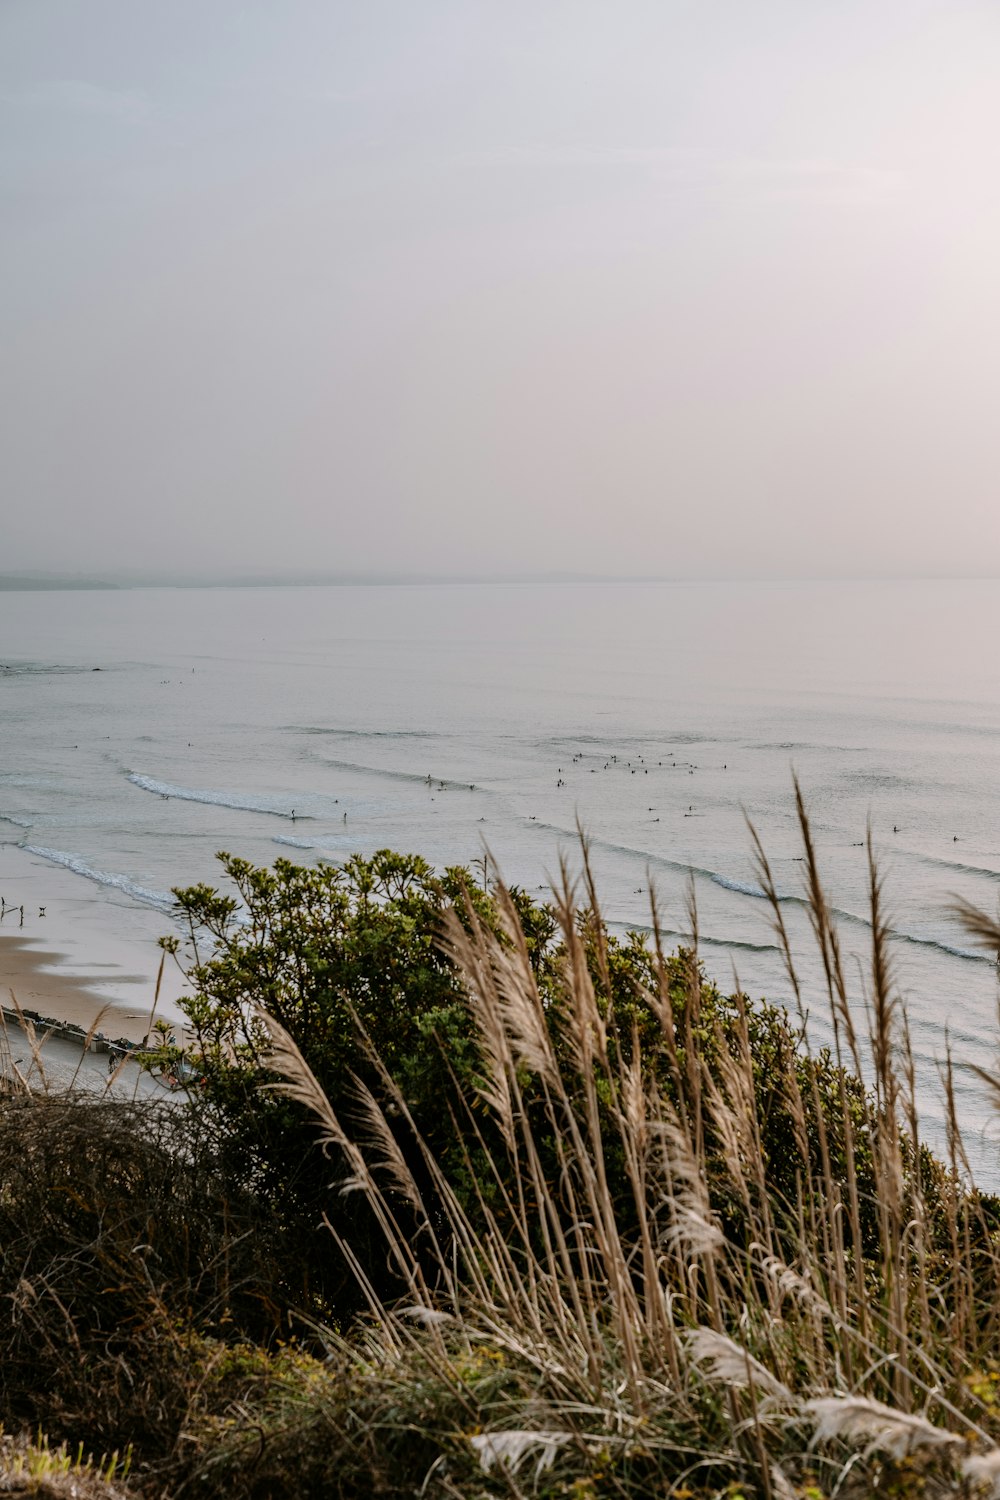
69 959
37 979
41 992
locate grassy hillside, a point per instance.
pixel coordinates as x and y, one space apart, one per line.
477 1200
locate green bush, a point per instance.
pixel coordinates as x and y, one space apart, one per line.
350 962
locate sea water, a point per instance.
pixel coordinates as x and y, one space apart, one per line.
142 731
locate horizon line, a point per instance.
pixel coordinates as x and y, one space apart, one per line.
28 580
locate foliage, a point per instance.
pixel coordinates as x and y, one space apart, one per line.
607 1231
46 1473
118 1241
350 962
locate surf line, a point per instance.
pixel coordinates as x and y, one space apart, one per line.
756 893
213 798
162 900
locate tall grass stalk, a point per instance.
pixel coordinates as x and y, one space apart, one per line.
700 1328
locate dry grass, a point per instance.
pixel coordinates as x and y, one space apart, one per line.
623 1281
121 1252
839 1336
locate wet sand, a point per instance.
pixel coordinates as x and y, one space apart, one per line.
41 980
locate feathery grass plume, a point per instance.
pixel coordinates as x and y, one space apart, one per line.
917 1200
828 942
671 1220
781 1486
12 1081
427 1317
983 1469
691 1021
789 1283
35 1045
827 939
985 930
693 1228
884 1118
483 1257
724 1360
882 1427
298 1082
821 1190
502 988
511 1449
638 1118
731 1105
962 1291
506 1011
765 875
384 1147
978 924
661 1006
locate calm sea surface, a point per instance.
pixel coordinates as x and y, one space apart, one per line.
440 719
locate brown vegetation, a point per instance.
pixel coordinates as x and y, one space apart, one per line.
665 1251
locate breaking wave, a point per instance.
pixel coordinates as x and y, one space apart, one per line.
162 900
213 798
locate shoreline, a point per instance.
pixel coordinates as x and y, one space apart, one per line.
39 980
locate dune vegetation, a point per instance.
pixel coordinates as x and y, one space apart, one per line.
476 1199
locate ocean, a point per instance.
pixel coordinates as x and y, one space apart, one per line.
144 730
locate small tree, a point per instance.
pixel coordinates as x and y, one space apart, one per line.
350 961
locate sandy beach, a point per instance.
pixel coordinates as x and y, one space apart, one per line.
39 979
76 957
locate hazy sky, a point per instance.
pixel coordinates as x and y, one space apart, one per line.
697 289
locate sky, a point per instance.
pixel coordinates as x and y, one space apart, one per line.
637 287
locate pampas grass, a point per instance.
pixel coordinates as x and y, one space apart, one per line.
618 1279
817 1339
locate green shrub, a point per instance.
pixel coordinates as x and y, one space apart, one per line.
350 962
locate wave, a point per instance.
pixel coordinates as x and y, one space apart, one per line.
942 947
742 888
670 936
806 745
389 775
956 864
21 823
365 734
662 742
162 900
281 838
41 669
662 861
739 944
884 781
896 934
739 886
214 799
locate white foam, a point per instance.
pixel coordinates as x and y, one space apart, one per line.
737 885
213 798
160 899
281 838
